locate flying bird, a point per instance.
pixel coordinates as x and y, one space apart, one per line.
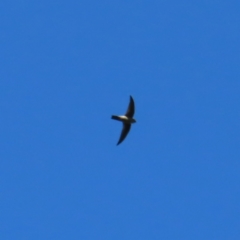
126 119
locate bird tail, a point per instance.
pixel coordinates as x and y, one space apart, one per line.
116 117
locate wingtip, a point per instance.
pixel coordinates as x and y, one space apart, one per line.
131 98
119 142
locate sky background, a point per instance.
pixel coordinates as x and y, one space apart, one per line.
66 67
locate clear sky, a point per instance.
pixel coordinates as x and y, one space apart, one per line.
66 67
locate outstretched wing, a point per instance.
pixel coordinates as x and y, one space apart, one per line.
131 108
125 131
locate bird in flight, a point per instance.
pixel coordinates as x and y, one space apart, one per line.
126 119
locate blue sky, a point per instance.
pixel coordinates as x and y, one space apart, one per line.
66 67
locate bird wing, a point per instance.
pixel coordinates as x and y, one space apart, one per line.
125 131
131 108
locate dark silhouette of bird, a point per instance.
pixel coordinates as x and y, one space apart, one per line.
126 119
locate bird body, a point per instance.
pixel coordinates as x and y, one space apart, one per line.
126 119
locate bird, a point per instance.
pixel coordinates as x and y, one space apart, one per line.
126 119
